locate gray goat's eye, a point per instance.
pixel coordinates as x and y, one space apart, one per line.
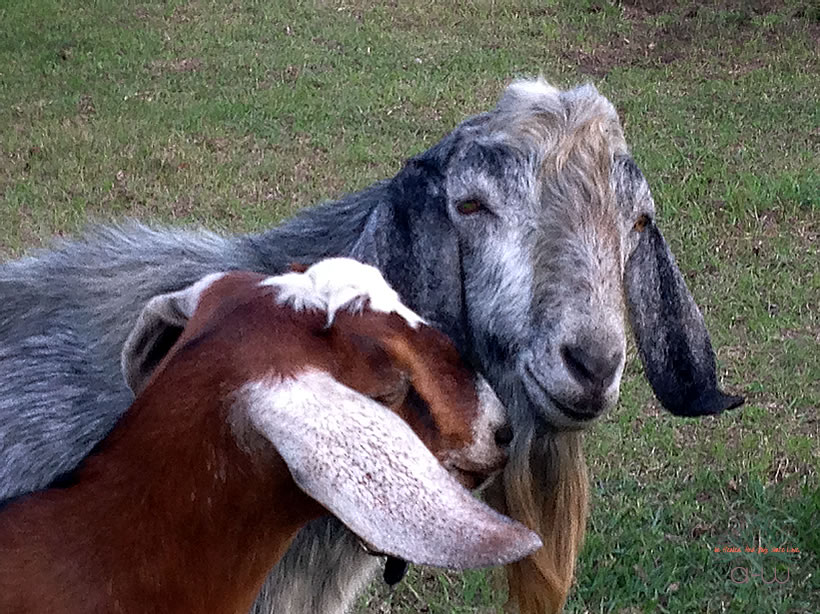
641 223
468 207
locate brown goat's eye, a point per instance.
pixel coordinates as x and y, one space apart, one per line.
396 395
468 207
641 223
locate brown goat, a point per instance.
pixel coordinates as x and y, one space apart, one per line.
280 400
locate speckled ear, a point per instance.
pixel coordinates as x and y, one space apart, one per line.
158 327
367 467
673 343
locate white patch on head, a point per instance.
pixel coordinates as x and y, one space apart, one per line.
364 464
533 89
340 283
525 96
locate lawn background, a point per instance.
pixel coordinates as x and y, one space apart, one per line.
233 115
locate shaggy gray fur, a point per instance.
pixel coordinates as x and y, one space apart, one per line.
516 235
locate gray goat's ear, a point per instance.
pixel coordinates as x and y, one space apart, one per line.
417 246
672 339
366 466
158 327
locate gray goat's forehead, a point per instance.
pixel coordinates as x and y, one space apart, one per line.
535 114
501 152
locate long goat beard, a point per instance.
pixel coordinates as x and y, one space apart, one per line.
545 486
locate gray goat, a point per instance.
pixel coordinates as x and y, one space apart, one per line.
527 235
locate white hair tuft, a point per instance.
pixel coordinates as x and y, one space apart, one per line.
334 284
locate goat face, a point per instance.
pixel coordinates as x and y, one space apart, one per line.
550 226
417 372
312 363
392 356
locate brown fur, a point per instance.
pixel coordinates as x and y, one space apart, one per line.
172 514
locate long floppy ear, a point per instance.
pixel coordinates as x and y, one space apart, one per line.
410 238
672 339
367 467
158 327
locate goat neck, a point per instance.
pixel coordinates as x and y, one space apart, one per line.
163 517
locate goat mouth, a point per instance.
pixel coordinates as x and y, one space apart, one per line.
546 398
564 409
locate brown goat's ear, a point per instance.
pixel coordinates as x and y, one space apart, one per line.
672 339
367 467
298 267
157 328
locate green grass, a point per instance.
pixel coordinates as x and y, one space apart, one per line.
236 114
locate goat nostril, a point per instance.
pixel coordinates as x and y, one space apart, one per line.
504 435
573 356
589 367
